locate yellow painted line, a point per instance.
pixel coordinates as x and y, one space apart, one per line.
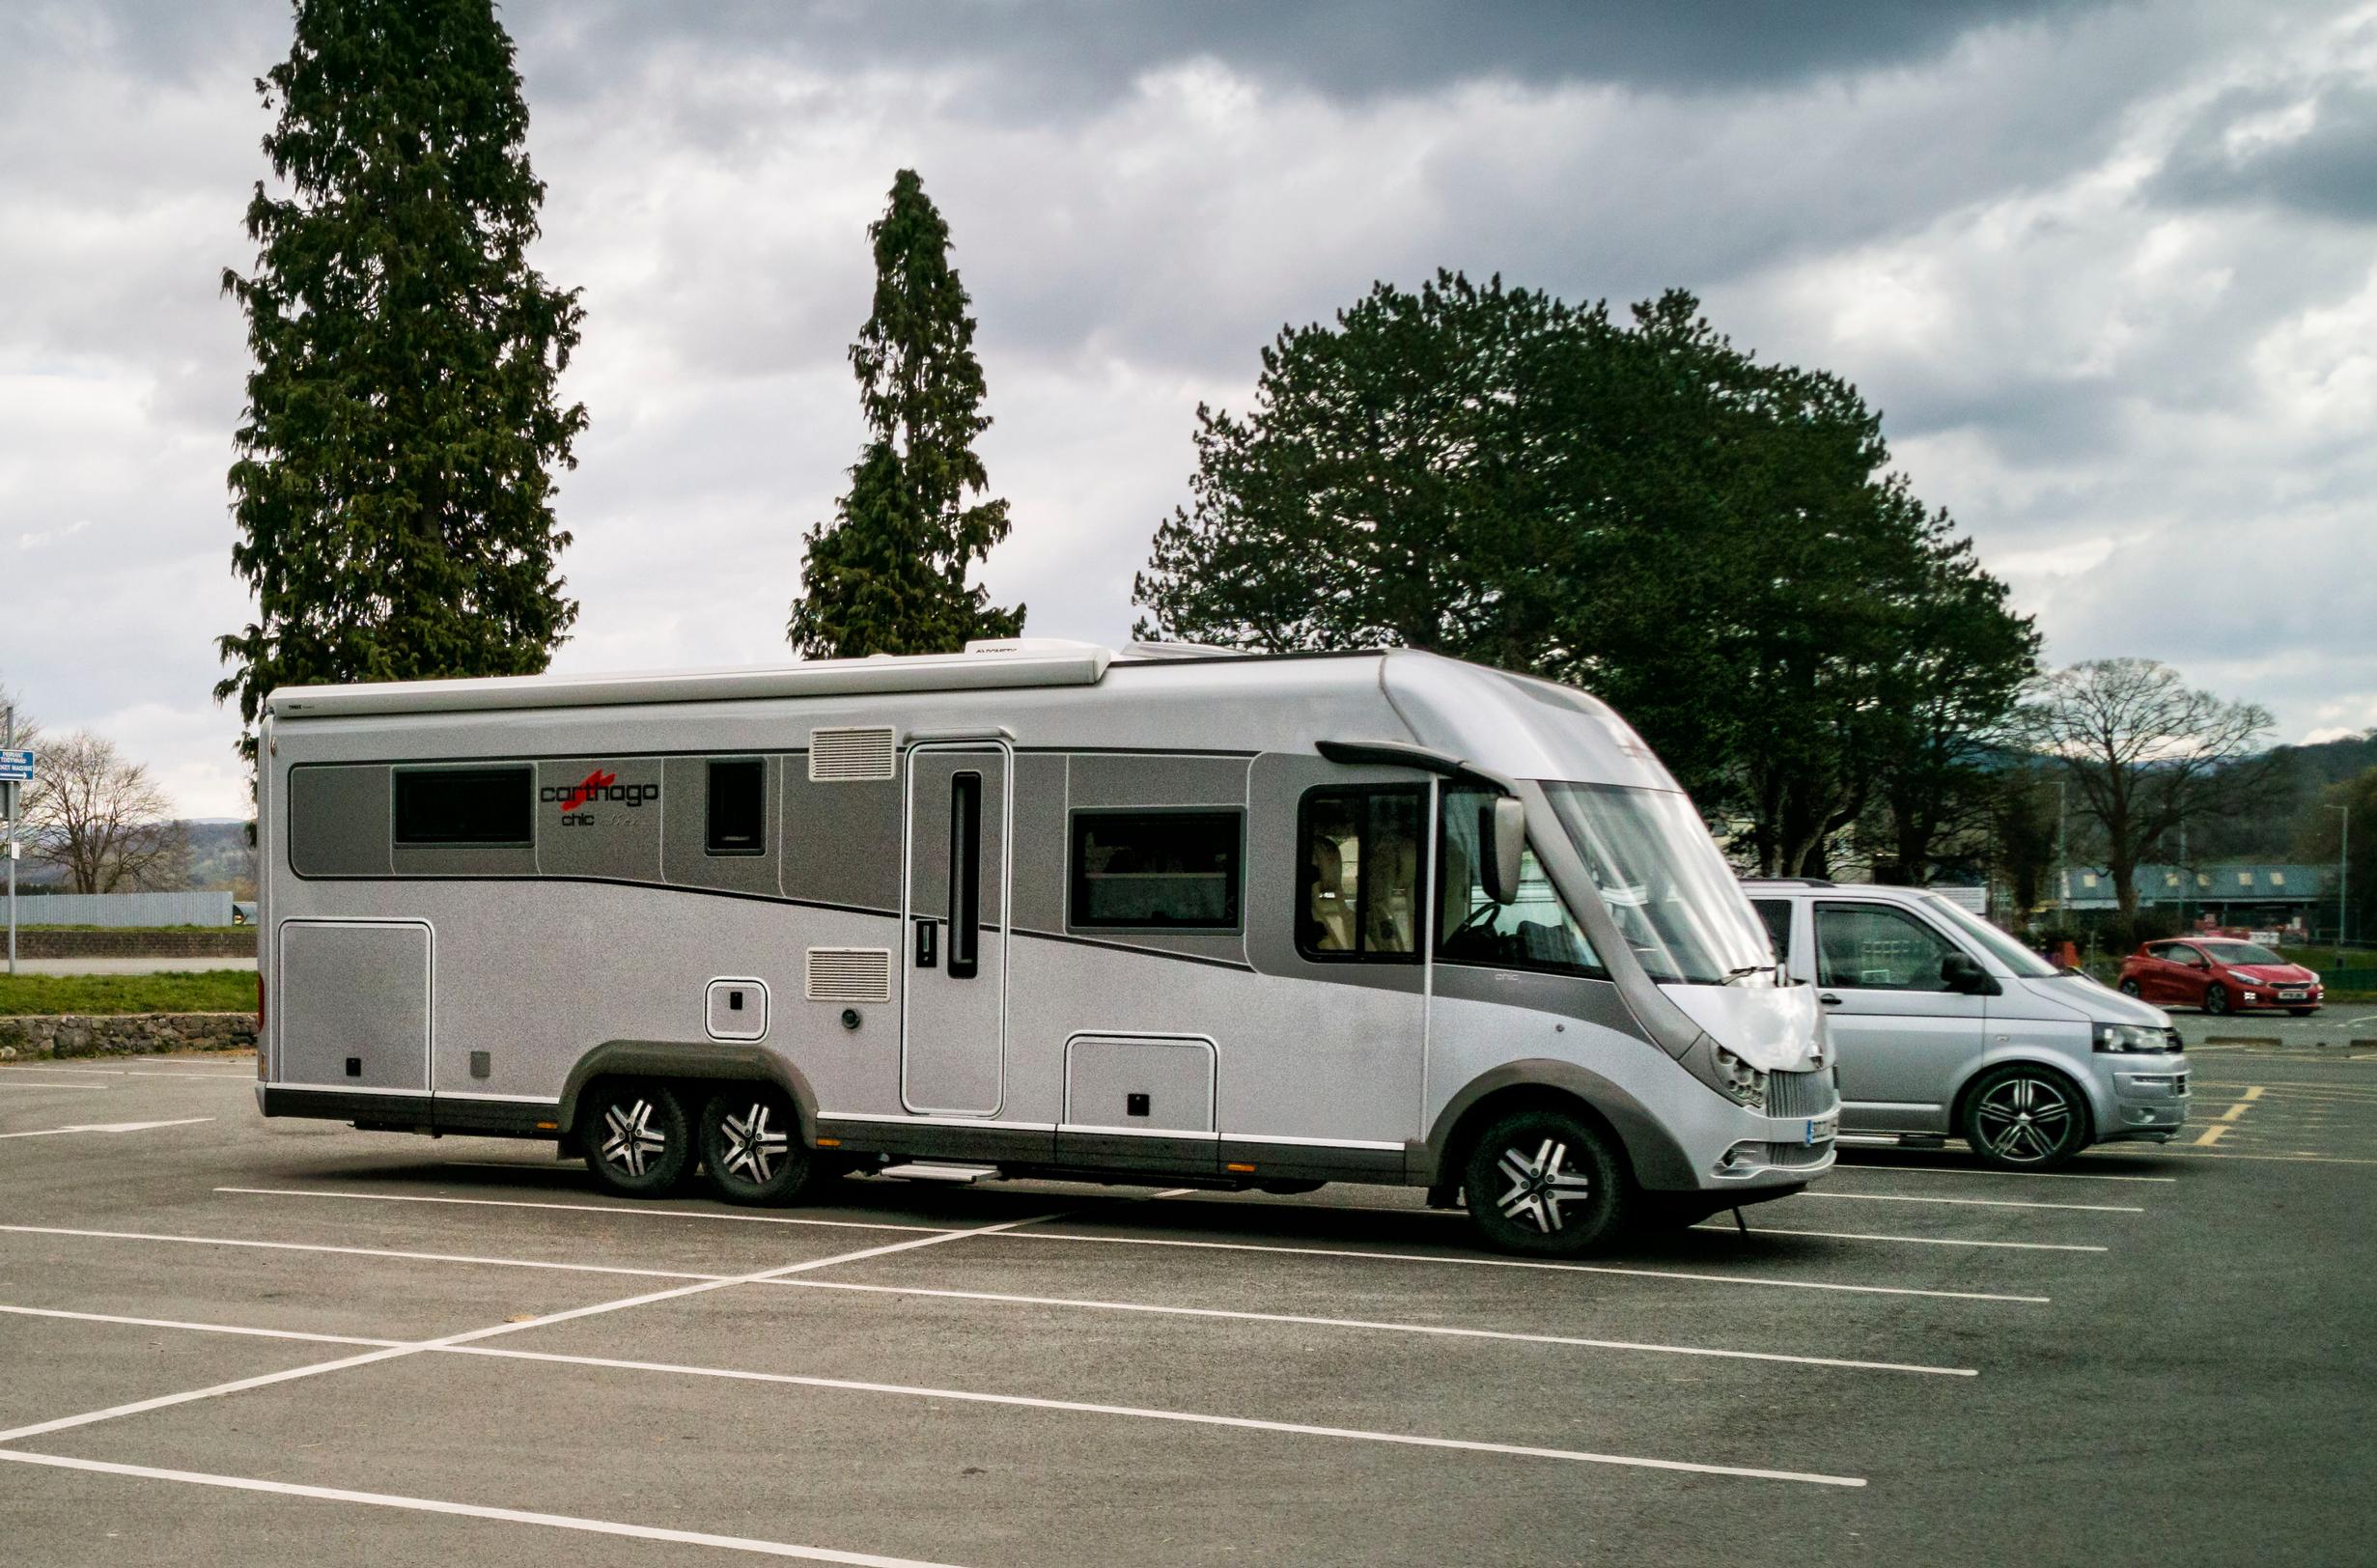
2210 1136
2184 1152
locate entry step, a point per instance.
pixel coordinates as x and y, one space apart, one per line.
927 1171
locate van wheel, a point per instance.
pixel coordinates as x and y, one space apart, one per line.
1544 1183
752 1148
637 1142
2024 1118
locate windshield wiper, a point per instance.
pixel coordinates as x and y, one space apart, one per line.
1746 971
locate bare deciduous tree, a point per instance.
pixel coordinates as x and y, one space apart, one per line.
2144 752
104 822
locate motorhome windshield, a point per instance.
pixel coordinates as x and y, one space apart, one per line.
1997 943
1670 892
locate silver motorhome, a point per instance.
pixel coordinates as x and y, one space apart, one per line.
1040 908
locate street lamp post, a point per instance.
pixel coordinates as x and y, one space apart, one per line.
2344 871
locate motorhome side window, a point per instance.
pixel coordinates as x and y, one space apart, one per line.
1535 931
1178 870
738 812
481 807
1358 891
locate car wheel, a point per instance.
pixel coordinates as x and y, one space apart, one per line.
2024 1118
752 1148
2129 988
2216 999
1544 1183
637 1142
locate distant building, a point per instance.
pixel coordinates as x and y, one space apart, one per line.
2261 896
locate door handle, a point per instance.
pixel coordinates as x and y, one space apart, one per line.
1827 999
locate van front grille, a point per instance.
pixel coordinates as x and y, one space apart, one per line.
1801 1094
849 974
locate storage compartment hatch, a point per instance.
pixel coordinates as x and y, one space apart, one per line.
354 1004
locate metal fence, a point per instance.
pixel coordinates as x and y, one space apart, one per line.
124 909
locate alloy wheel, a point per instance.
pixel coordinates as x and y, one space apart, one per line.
632 1141
1539 1184
2023 1120
756 1145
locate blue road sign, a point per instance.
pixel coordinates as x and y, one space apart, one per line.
16 767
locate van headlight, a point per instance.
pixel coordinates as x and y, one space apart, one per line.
1744 1084
2128 1038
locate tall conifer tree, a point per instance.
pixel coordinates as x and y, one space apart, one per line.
887 576
393 487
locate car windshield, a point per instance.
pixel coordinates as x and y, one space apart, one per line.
1989 939
2240 953
1671 894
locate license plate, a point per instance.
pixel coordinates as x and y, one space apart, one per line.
2292 995
1820 1129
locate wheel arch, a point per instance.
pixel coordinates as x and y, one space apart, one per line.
689 1061
2083 1091
1651 1153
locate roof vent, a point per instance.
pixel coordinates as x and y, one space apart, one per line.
854 756
849 974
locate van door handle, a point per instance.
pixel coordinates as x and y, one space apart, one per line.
1827 999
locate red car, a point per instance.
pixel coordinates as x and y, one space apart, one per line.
2218 974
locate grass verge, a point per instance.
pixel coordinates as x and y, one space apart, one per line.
200 991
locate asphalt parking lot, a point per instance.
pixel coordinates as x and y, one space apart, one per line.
232 1340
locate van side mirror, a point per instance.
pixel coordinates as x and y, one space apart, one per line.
1501 831
1960 973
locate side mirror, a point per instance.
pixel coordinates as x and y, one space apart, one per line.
1501 831
1962 974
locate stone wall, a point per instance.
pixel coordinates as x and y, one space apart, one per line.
176 941
125 1034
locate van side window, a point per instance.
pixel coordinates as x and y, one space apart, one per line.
1535 931
1874 947
1176 869
482 806
1358 883
737 808
1777 913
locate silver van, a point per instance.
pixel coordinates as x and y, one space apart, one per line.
1943 1026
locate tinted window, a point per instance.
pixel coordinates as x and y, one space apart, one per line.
1174 869
737 807
1874 947
1777 913
1358 853
1534 930
465 805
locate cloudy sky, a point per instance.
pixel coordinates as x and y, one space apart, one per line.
2110 270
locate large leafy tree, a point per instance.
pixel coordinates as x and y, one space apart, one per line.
1713 542
887 576
394 487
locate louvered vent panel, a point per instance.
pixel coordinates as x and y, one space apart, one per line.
853 756
850 975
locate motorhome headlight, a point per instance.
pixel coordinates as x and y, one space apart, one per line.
2123 1038
1745 1083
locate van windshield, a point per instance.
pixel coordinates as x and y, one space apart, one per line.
1670 892
1997 943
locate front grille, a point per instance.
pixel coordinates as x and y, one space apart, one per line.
1801 1094
1791 1155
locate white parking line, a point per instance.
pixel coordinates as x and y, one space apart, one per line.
1983 1171
1728 1227
644 1211
1976 1203
1380 1326
106 1127
1363 1254
196 1328
451 1342
45 1085
1148 1413
472 1510
361 1251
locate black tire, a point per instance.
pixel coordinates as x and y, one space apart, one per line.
2128 988
2020 1117
2216 999
1544 1183
752 1148
1289 1190
638 1140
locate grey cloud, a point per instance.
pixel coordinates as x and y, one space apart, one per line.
2327 171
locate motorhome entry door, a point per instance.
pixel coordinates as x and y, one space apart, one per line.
953 1013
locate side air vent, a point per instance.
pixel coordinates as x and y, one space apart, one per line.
850 975
853 756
